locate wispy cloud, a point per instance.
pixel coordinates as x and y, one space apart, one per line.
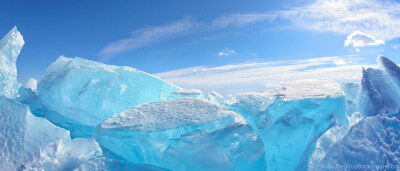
188 25
259 76
226 52
360 39
146 36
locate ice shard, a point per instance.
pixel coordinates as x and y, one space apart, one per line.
10 47
379 93
183 134
352 91
289 120
327 141
216 97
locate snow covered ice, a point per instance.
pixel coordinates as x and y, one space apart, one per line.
91 116
372 141
10 47
33 143
22 135
183 134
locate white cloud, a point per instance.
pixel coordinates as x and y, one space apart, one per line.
380 18
360 39
226 52
396 46
341 62
255 76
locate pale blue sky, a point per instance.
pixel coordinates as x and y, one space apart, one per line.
164 37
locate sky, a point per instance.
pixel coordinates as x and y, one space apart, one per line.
229 46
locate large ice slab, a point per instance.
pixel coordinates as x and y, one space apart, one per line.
183 134
10 47
87 92
290 119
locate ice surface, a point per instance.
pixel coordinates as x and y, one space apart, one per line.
80 154
183 134
10 47
66 155
371 144
290 119
28 142
87 92
22 135
158 116
309 89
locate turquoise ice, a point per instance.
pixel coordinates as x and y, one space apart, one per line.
85 93
183 134
289 120
351 90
